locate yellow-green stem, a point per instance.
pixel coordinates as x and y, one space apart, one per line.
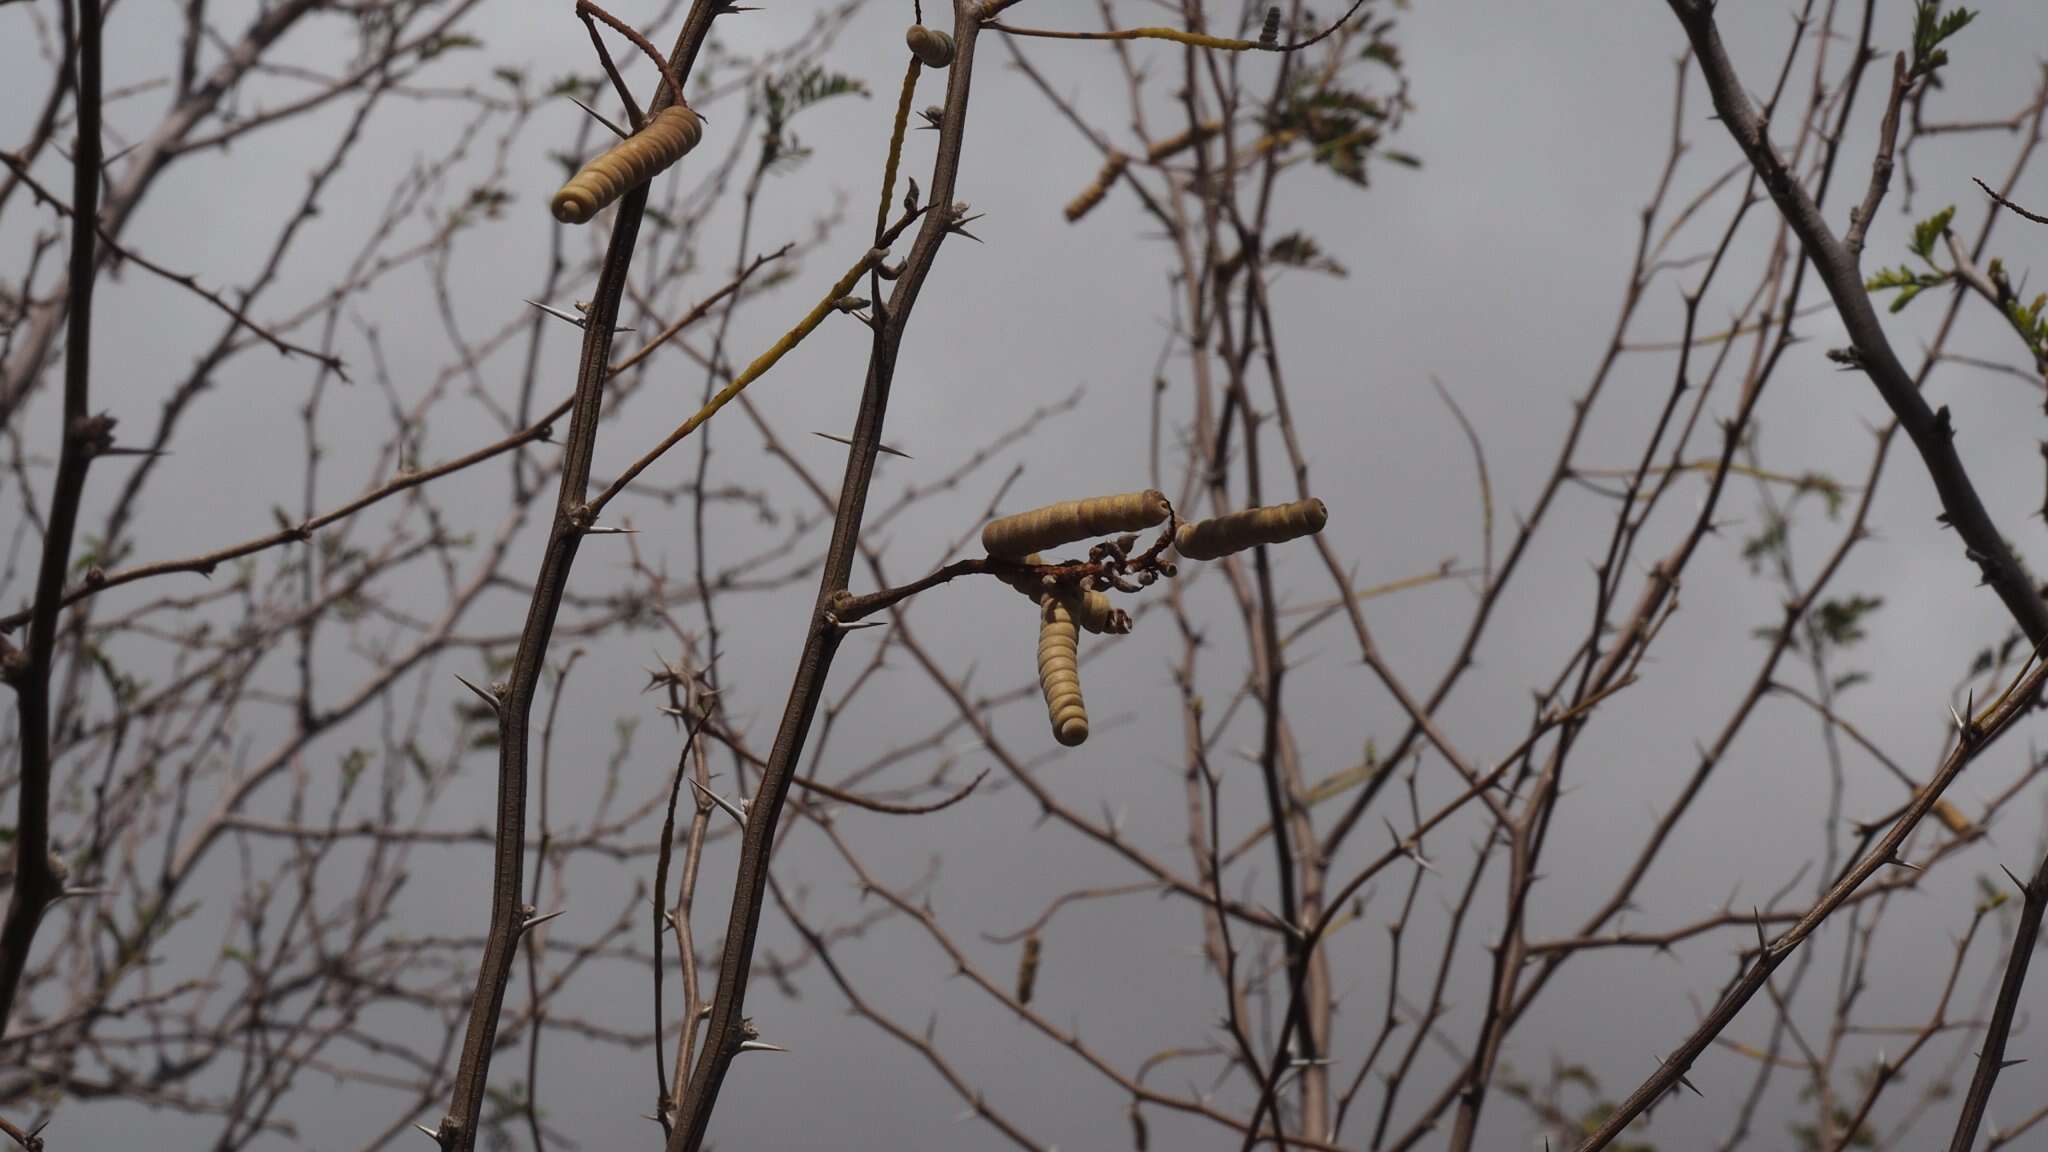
896 148
751 373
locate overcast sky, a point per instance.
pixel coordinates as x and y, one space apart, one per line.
1495 269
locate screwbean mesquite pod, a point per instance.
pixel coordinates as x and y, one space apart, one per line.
660 142
1059 672
1071 520
1237 531
933 48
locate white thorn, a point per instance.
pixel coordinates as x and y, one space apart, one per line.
736 812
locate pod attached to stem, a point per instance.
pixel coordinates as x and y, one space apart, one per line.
933 48
628 164
1071 520
1059 653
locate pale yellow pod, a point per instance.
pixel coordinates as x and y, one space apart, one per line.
933 48
1092 610
1093 194
628 164
1059 654
1071 520
1209 539
1952 817
1174 145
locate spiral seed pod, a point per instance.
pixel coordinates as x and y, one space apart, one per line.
630 163
933 48
1209 539
1092 195
1059 655
1269 36
1176 144
1027 969
1952 817
1071 520
1092 610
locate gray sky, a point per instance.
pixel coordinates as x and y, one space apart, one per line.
1495 269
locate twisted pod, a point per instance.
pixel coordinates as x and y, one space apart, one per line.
628 164
1071 520
1089 197
933 48
1209 539
1059 656
1027 969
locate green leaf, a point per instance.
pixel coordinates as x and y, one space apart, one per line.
448 42
1300 250
1840 621
1932 26
1927 231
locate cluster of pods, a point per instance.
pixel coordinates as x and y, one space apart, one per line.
1065 609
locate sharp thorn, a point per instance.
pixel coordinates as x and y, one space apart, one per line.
571 318
731 809
537 921
490 698
878 447
594 114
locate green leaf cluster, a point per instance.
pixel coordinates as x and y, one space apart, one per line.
1904 279
1931 26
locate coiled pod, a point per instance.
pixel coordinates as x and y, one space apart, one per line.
1071 520
1027 969
1059 655
1209 539
1176 144
933 48
1269 35
1952 818
1092 195
628 164
1092 610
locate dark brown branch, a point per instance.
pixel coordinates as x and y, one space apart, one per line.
2004 203
727 1026
1975 736
1931 433
39 877
458 1130
1991 1058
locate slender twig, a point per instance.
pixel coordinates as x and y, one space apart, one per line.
183 280
2005 203
1975 737
541 430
